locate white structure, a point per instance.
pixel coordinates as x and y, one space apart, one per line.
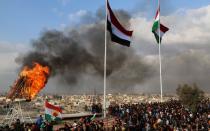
15 113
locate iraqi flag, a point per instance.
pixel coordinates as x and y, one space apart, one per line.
118 33
158 26
52 112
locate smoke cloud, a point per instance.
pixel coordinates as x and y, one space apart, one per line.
79 52
184 49
75 55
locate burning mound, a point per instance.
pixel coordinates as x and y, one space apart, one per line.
31 80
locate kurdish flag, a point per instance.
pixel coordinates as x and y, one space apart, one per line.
157 26
52 112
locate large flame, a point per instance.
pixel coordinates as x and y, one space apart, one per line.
36 79
30 82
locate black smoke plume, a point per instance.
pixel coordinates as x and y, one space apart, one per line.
80 51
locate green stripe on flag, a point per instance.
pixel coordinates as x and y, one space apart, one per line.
58 119
48 117
155 26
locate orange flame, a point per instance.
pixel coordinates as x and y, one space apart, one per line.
36 79
30 82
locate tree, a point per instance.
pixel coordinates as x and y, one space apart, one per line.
190 96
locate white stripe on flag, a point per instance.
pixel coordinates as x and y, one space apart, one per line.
157 18
50 112
119 34
161 33
116 31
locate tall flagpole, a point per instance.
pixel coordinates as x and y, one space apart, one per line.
104 107
161 82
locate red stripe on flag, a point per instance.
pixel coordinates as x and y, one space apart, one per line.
116 22
163 28
50 106
158 10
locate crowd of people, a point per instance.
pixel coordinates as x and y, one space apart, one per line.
96 108
166 116
39 125
83 124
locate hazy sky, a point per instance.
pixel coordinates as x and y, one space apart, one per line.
185 48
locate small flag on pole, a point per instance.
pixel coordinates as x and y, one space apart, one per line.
52 112
93 117
158 26
118 33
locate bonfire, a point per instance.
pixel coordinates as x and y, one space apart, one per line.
30 82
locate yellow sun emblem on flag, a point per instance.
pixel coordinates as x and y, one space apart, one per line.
55 113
